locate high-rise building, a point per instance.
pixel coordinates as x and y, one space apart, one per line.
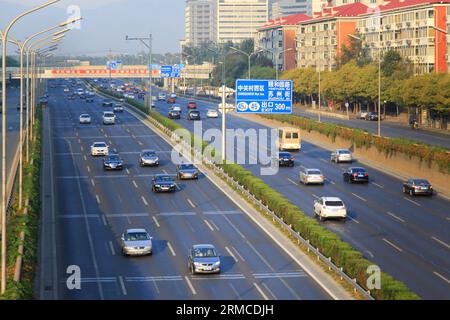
200 22
238 20
281 8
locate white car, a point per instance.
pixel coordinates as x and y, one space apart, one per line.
162 97
118 108
341 155
85 118
109 117
176 107
99 149
212 113
173 95
308 176
363 115
66 90
330 207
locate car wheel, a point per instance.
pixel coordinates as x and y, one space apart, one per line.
404 189
411 192
124 253
153 189
151 253
192 270
320 217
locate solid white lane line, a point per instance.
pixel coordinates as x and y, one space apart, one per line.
361 198
144 201
231 253
190 285
234 227
395 217
270 292
214 225
128 171
122 286
135 184
441 242
412 201
237 295
98 198
292 181
92 182
209 226
171 249
378 185
392 245
441 276
156 221
105 223
238 254
111 247
190 202
265 297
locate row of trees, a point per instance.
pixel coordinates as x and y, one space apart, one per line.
357 83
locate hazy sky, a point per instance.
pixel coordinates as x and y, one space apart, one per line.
105 23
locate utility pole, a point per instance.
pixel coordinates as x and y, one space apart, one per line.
147 42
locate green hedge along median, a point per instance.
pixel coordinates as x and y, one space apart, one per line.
340 252
361 138
24 289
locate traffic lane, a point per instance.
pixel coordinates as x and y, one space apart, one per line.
192 200
179 208
108 275
416 252
387 129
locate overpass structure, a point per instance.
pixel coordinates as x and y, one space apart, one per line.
138 71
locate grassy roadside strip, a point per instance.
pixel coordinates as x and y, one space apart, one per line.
24 289
340 252
361 138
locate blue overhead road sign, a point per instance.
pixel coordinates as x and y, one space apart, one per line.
166 71
264 96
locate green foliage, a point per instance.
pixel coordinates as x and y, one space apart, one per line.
354 51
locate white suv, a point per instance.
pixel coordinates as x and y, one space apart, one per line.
109 117
99 149
330 207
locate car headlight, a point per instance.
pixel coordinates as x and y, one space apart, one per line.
197 264
217 263
157 185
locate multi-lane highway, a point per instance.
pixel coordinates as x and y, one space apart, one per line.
92 208
407 237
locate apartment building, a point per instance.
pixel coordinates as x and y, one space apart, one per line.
238 20
282 8
200 22
277 39
320 39
414 28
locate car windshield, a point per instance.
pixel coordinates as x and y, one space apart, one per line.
187 166
113 157
108 115
148 154
344 152
204 252
99 145
420 182
164 178
84 116
194 113
285 154
137 236
334 203
317 172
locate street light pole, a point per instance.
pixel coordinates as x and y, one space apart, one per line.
150 67
249 55
4 186
276 57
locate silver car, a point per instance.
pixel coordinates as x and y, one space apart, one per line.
203 258
85 118
187 171
136 242
148 158
308 176
341 155
109 117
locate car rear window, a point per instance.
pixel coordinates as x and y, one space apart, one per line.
358 170
99 145
314 172
344 152
334 203
196 113
420 181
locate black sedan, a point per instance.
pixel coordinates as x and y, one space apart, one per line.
163 183
112 162
356 174
187 171
372 116
193 115
285 159
417 186
174 114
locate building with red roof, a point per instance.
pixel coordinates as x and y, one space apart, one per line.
276 39
414 28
